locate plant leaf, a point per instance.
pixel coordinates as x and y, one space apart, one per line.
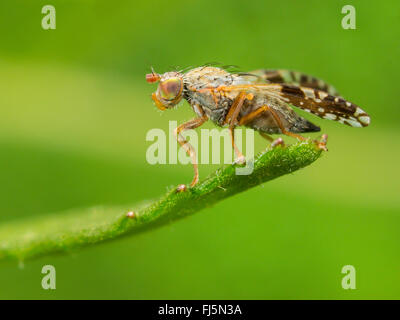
62 232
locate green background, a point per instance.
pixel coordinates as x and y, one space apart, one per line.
75 110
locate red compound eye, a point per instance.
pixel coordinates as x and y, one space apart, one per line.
152 77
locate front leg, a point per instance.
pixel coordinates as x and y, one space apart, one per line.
192 124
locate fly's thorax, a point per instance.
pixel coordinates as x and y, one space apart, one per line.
215 106
201 87
206 99
216 115
204 77
200 82
211 77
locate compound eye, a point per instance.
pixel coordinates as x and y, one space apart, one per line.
171 88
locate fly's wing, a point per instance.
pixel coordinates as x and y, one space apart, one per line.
289 77
320 103
315 101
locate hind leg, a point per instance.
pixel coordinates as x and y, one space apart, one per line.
321 144
266 136
274 143
251 116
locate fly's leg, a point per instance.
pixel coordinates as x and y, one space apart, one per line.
251 116
278 121
274 143
277 142
248 118
321 144
231 119
266 136
192 124
283 130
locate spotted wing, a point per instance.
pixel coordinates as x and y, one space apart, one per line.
322 104
290 77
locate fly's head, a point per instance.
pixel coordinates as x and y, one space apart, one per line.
169 91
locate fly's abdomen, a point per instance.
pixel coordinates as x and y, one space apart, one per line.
257 114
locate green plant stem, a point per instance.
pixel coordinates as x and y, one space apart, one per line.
63 232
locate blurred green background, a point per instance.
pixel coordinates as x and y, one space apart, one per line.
75 110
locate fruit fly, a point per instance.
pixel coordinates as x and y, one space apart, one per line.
260 100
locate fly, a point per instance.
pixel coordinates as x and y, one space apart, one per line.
260 100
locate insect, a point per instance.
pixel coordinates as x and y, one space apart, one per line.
260 100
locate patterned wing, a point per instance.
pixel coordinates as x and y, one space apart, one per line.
321 104
315 101
290 77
